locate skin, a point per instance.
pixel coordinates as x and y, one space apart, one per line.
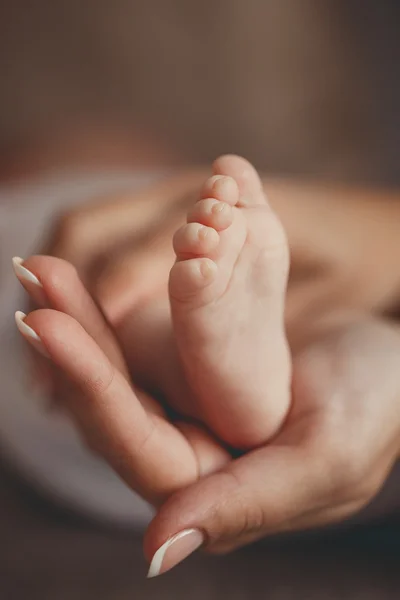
227 320
337 445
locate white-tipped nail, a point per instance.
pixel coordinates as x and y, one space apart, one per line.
29 334
24 273
175 550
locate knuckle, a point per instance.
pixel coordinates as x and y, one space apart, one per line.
101 386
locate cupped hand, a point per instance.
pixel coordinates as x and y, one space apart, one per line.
341 437
154 455
122 250
330 459
333 454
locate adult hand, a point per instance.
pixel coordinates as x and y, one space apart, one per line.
124 425
331 457
311 474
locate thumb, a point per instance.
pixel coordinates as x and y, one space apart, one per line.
266 491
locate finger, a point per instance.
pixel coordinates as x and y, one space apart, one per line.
41 373
257 494
148 453
146 338
55 284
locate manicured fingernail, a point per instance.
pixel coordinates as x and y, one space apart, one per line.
30 282
24 273
29 334
175 550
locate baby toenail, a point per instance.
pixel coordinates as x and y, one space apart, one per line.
202 233
219 207
214 179
207 269
221 181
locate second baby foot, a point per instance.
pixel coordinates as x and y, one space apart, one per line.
227 292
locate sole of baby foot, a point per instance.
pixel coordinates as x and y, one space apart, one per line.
227 292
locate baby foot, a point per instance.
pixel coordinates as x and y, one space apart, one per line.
227 291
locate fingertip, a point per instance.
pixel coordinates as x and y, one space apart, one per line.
29 280
175 550
23 273
29 333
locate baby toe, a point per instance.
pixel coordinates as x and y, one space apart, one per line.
189 277
194 238
212 213
222 188
249 184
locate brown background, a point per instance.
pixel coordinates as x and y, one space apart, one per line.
47 555
301 87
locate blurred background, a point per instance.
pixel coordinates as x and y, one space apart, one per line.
305 88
